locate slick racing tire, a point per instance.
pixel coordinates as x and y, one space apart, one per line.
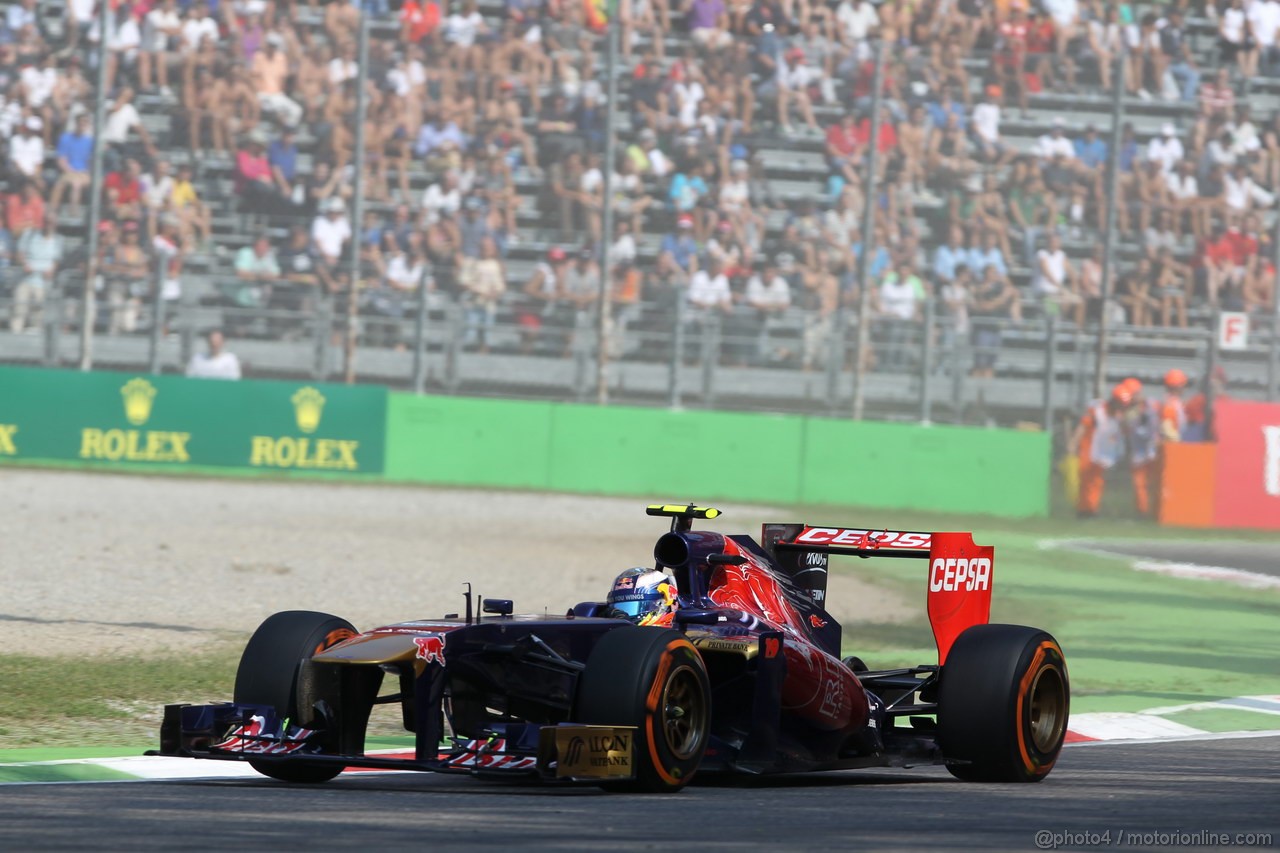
1003 703
268 675
655 680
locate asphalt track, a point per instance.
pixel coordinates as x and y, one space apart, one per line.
1221 786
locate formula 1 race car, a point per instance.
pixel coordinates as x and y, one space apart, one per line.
748 679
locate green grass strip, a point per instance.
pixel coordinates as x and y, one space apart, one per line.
40 753
61 773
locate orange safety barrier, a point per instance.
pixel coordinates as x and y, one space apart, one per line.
1187 484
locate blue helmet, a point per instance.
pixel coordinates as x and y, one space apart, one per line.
644 596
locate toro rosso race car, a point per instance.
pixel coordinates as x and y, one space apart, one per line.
738 670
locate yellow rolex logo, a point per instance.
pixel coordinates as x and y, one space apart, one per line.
138 396
308 404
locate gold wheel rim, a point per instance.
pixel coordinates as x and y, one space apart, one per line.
1047 706
683 713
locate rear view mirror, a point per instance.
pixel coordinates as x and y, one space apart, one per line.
498 606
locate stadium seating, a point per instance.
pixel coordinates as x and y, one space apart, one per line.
790 171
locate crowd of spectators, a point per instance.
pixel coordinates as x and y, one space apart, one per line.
461 102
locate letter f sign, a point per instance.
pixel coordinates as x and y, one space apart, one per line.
1271 467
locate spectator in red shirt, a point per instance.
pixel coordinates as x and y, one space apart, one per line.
888 133
1244 245
254 180
1217 260
123 192
24 210
1011 55
1217 97
1041 44
418 19
844 151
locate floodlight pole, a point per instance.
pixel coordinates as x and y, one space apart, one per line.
605 302
87 309
868 233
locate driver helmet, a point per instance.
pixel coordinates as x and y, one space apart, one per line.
644 596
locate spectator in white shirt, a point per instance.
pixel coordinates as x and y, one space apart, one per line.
122 45
329 235
1055 142
161 25
768 291
26 151
1055 276
123 119
442 198
1264 22
1235 41
790 88
38 83
1184 192
344 67
463 32
81 17
1166 149
1242 194
1066 16
21 14
198 26
215 364
769 296
1244 133
857 19
709 291
986 127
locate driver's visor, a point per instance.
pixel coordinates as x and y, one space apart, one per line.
630 609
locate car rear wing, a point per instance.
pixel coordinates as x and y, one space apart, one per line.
959 577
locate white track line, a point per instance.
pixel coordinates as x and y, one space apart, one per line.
1195 571
1189 571
1182 739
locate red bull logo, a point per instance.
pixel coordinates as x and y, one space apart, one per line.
430 649
627 582
816 621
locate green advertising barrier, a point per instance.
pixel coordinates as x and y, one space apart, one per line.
944 468
468 442
675 455
665 454
169 421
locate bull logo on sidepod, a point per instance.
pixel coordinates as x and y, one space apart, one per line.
430 649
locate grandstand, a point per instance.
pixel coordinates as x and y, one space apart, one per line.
738 195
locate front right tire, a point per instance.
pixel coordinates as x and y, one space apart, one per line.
654 680
268 675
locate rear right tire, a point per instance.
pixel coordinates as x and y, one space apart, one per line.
1003 703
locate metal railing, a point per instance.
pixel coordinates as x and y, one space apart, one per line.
989 372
